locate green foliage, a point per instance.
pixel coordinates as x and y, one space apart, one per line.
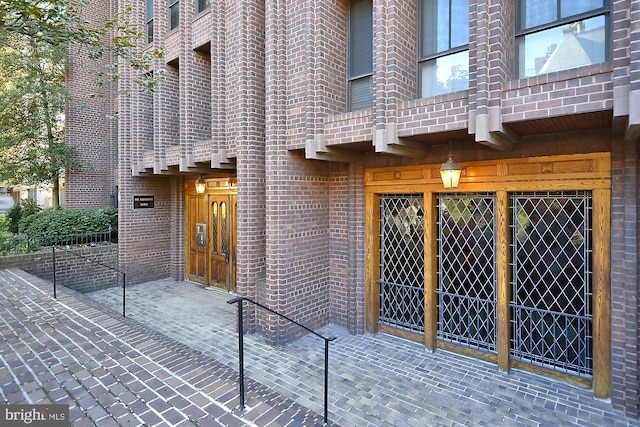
4 227
63 222
34 40
23 208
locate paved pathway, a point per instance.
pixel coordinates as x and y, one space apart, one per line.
173 361
116 372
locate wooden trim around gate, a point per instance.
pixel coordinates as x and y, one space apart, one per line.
587 172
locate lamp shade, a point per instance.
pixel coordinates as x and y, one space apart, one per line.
200 185
450 173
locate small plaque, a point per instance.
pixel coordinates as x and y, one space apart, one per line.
143 202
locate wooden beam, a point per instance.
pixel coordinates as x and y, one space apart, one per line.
601 293
430 271
503 263
372 255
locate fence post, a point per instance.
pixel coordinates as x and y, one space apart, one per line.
124 299
54 272
241 352
326 380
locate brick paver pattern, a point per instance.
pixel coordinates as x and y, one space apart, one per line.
173 361
116 372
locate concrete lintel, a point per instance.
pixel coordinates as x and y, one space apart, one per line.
220 160
490 132
316 149
633 131
387 141
621 105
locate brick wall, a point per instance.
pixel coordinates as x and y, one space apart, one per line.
625 326
81 269
87 127
242 96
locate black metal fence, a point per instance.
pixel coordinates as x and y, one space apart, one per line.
27 243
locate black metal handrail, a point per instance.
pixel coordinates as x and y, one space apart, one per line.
124 276
239 300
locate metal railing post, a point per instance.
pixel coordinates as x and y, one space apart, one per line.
54 272
124 298
326 380
240 300
241 352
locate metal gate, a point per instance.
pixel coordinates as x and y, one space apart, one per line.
551 273
552 280
402 262
466 270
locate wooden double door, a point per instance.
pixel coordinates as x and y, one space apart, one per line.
211 235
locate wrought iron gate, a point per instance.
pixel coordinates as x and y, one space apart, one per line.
552 280
402 262
466 270
551 273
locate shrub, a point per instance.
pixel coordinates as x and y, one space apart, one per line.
22 209
4 227
65 222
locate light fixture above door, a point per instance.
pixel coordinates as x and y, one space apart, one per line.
200 185
450 172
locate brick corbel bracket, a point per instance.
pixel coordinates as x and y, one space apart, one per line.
188 165
489 131
316 149
387 141
222 159
627 103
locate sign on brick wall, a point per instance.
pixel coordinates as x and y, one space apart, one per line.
143 202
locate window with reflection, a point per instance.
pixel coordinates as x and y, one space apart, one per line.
174 14
214 229
555 35
149 21
444 46
360 54
203 5
223 226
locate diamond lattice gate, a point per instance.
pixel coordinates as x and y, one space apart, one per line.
550 284
402 262
466 270
552 280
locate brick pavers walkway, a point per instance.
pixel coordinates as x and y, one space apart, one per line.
185 357
116 372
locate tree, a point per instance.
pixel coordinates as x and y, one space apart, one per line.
35 37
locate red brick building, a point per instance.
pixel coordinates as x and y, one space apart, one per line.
318 129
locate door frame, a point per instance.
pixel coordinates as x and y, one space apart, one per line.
213 187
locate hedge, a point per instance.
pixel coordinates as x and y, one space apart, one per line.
62 222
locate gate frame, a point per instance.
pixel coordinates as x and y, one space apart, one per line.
591 171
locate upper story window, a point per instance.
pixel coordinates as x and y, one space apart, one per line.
360 54
203 5
149 20
444 46
174 14
554 35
